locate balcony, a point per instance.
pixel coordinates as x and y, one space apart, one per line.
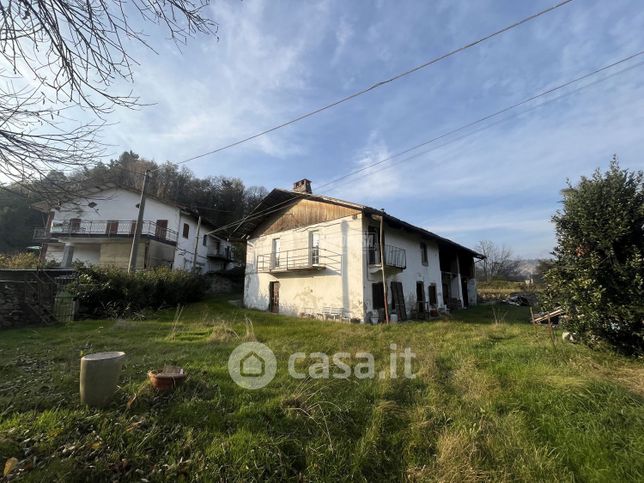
394 257
299 259
105 229
221 253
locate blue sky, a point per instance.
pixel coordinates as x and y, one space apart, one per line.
275 60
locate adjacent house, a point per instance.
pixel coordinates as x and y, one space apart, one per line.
312 255
98 226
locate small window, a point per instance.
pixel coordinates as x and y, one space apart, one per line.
205 240
186 230
423 253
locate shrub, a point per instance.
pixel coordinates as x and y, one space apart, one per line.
598 271
109 291
24 260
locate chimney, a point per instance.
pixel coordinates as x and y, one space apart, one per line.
302 186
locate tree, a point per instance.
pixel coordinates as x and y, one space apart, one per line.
498 262
17 220
598 272
61 57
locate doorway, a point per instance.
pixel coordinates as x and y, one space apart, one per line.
274 297
466 302
420 297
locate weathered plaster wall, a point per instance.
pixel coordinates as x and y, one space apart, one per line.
186 246
415 271
337 286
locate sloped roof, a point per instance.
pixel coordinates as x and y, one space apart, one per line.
279 199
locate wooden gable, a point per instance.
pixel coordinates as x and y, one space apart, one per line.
303 213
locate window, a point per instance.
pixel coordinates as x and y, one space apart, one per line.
276 252
314 242
372 245
205 240
186 230
423 253
378 296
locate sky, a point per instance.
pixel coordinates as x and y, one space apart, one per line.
501 181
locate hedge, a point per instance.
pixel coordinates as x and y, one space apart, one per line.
111 292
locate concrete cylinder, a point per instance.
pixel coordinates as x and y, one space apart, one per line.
99 376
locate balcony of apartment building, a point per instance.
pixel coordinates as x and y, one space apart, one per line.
394 258
220 252
99 230
298 260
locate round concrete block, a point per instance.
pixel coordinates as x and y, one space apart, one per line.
99 376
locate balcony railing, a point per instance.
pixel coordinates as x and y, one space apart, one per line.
223 253
106 229
394 257
299 259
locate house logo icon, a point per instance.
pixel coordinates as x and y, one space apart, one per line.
252 365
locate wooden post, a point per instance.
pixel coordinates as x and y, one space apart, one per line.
139 226
382 266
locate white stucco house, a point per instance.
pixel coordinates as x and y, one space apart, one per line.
311 255
98 226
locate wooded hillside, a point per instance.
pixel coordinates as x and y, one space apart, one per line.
219 199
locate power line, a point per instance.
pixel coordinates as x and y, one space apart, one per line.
380 83
487 117
389 166
278 206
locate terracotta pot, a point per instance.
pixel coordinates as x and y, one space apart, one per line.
167 379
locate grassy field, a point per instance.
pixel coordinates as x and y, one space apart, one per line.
490 401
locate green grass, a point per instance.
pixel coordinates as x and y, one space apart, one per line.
494 402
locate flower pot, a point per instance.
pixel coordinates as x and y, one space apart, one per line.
167 379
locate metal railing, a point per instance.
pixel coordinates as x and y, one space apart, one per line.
393 256
105 228
314 258
225 253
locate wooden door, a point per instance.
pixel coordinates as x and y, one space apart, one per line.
398 300
420 297
274 297
112 227
433 298
161 229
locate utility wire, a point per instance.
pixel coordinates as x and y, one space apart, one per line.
500 121
485 118
278 206
356 94
379 84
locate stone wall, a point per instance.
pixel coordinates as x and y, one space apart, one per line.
21 304
27 297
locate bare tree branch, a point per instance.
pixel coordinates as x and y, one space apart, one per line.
65 54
